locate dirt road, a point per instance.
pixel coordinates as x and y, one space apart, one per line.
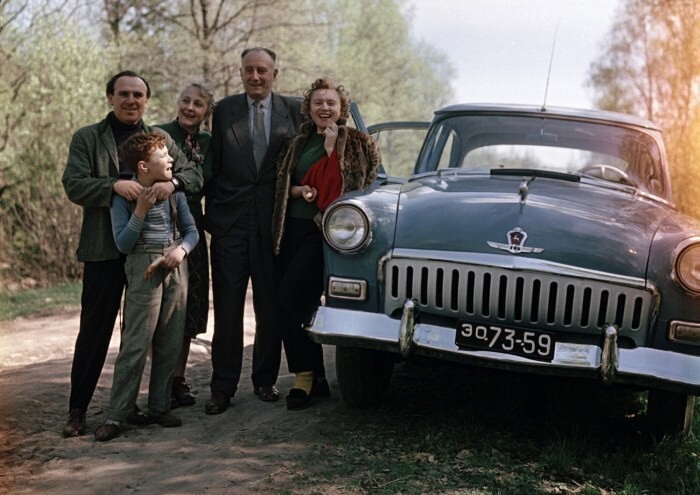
254 447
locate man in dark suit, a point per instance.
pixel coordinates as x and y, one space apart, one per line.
238 216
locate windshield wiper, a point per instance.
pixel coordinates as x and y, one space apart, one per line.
525 172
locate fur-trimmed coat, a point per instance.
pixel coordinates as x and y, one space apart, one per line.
358 156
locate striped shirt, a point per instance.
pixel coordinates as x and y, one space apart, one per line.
160 230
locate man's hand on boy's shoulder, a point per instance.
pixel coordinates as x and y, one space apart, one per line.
163 189
129 189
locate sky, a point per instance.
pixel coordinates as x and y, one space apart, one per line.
501 49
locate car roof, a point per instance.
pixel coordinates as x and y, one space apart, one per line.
600 115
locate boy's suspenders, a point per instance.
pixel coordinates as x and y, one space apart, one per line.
173 215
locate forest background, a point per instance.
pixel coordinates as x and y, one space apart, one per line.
56 56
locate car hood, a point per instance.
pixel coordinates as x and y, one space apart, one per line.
574 223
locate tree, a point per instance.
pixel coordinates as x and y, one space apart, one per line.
56 56
52 77
651 67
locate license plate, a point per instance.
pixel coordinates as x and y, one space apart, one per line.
533 344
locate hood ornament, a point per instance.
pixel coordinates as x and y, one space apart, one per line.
516 243
524 189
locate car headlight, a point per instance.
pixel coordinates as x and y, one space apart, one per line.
688 268
346 228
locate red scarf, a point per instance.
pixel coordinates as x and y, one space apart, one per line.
324 176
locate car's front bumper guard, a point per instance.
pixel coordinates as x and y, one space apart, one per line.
642 366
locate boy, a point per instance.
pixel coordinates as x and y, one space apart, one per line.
156 236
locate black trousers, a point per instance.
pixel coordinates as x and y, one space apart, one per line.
103 285
243 253
299 290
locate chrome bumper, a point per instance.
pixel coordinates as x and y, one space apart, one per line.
645 367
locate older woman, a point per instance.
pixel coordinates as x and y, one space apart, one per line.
324 161
194 107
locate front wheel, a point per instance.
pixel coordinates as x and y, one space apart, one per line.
363 375
669 413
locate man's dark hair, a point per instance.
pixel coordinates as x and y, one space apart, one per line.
126 73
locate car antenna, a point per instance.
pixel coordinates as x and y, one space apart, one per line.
549 70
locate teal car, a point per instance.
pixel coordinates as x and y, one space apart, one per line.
538 240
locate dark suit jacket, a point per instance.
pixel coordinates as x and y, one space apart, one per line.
236 184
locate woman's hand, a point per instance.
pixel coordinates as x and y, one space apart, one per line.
331 134
307 192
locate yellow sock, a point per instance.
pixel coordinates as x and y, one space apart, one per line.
304 380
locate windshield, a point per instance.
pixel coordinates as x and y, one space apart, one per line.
481 143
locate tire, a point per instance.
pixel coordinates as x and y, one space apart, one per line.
363 375
669 414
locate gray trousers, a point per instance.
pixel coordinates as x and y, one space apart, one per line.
154 314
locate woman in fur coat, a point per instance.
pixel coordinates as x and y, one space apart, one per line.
325 160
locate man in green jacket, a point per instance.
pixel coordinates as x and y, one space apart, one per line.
93 174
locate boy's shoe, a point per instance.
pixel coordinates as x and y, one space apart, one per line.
75 426
107 431
181 393
137 417
166 420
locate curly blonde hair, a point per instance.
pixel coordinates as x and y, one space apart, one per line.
327 83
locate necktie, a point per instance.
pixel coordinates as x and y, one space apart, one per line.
259 138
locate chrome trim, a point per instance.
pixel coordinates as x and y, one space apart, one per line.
362 283
641 366
518 293
673 332
380 267
610 357
519 263
406 328
678 250
363 210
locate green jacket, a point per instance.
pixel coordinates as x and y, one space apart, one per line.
206 168
89 177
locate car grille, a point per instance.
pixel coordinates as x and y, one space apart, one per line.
536 299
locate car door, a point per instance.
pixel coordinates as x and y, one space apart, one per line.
399 144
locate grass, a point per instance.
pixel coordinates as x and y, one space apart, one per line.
40 302
452 432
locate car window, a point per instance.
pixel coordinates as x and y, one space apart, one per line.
606 151
399 144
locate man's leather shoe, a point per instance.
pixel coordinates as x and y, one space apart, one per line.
267 393
107 431
217 403
75 426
